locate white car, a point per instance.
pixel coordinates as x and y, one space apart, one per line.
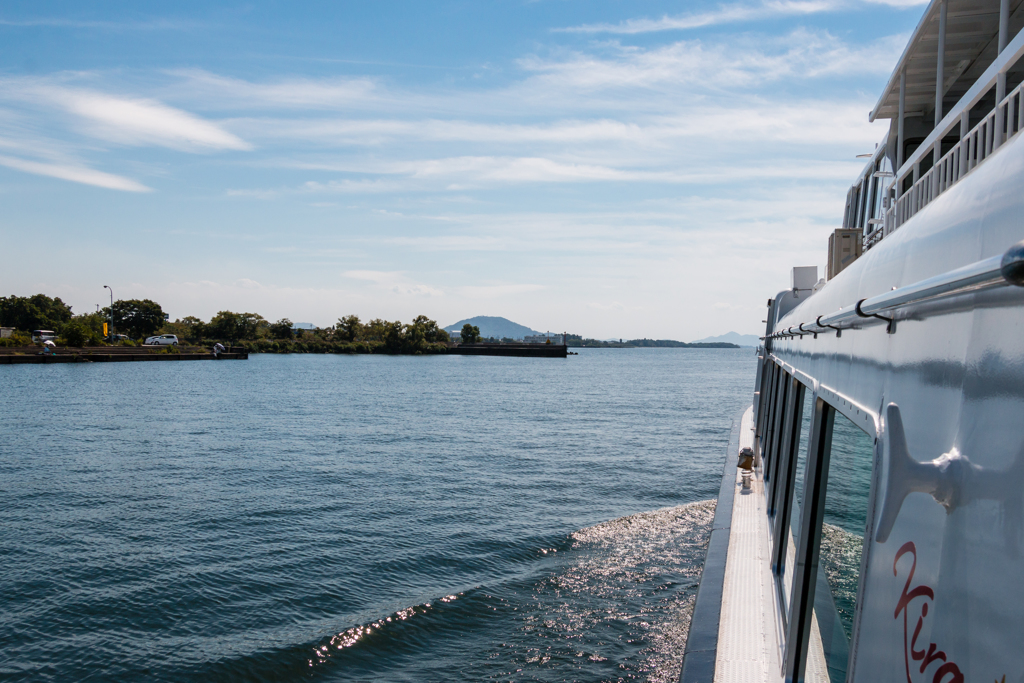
163 340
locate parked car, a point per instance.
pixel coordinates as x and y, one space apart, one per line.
163 340
43 335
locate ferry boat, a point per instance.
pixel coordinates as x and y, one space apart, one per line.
873 530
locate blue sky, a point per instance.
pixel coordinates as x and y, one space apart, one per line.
608 168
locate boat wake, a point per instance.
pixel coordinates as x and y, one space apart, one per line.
610 602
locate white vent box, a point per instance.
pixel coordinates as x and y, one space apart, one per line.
804 277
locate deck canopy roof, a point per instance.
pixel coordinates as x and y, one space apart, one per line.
972 36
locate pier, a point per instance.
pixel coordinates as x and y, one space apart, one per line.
112 354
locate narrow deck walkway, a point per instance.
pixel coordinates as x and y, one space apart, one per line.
750 632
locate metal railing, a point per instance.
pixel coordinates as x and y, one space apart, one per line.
997 271
1002 123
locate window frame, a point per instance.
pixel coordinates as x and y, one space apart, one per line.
778 429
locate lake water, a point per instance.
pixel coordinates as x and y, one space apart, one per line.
360 517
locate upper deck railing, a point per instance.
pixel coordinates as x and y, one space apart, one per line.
975 145
937 164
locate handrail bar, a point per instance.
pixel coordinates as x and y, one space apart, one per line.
1013 51
973 275
996 271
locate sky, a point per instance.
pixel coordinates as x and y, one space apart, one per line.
607 168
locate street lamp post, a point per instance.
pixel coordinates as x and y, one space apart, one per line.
111 312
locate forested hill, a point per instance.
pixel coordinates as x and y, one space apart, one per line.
493 326
576 340
672 344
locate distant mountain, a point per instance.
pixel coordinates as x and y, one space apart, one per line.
491 326
303 326
673 344
733 338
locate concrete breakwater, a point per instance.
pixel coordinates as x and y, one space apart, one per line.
116 354
521 350
112 354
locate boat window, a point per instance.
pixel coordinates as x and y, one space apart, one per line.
864 198
842 541
778 424
794 503
769 423
789 437
763 407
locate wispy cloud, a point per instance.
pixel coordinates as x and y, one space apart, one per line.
724 14
394 281
901 4
75 174
719 66
285 93
63 22
144 122
492 291
126 120
731 14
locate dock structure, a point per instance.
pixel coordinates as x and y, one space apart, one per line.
503 349
112 354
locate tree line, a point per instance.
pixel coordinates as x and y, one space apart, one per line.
141 318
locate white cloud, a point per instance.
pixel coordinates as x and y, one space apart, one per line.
394 281
303 93
734 13
810 122
902 4
127 120
725 14
76 174
492 291
54 22
146 122
718 67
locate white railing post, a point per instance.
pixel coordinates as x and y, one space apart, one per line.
940 63
1020 109
997 137
965 141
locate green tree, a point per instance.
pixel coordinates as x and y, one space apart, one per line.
375 330
190 328
230 326
137 318
393 336
432 334
253 324
349 328
76 333
282 329
225 325
94 323
36 312
470 334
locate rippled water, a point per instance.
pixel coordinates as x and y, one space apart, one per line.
360 518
